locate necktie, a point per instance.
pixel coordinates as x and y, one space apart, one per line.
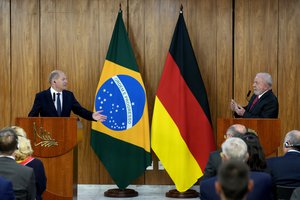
254 102
58 105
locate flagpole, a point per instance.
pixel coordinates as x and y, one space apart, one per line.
130 174
190 193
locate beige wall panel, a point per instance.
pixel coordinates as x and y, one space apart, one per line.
5 97
25 55
224 60
48 36
85 73
289 65
256 36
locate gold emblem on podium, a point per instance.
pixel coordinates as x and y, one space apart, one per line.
45 137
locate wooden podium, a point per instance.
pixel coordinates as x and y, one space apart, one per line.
54 141
268 131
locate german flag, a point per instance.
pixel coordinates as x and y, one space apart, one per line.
182 135
122 142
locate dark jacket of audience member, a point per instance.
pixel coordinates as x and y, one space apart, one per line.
6 190
285 170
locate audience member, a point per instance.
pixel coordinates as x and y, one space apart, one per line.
6 190
22 177
236 149
23 156
233 181
19 131
214 160
256 160
285 170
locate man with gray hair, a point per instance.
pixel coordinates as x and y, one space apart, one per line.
56 101
263 103
214 160
236 149
285 170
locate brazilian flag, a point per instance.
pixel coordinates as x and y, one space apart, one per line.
122 142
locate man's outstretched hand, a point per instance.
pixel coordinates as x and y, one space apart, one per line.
98 116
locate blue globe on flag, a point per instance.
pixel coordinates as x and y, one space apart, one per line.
122 99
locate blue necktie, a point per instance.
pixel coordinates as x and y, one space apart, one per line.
58 105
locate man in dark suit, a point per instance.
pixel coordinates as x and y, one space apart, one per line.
285 170
6 190
214 160
59 102
236 149
263 103
22 177
233 180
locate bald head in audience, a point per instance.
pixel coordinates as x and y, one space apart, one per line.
235 129
292 141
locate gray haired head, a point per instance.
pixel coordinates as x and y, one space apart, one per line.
265 76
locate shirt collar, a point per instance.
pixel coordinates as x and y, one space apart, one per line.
54 91
293 150
3 156
259 96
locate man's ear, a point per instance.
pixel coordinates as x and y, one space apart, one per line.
218 187
250 185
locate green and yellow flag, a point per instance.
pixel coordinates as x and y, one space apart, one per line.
122 142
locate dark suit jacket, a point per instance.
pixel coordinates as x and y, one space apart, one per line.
262 188
213 163
43 106
285 170
22 178
266 107
6 190
40 177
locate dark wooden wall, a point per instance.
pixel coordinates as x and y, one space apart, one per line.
232 40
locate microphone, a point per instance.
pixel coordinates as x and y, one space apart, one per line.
53 96
248 94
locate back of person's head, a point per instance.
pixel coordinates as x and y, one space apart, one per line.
24 150
233 180
19 131
234 148
257 159
292 140
235 129
8 141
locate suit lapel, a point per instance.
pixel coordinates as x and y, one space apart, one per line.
64 102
